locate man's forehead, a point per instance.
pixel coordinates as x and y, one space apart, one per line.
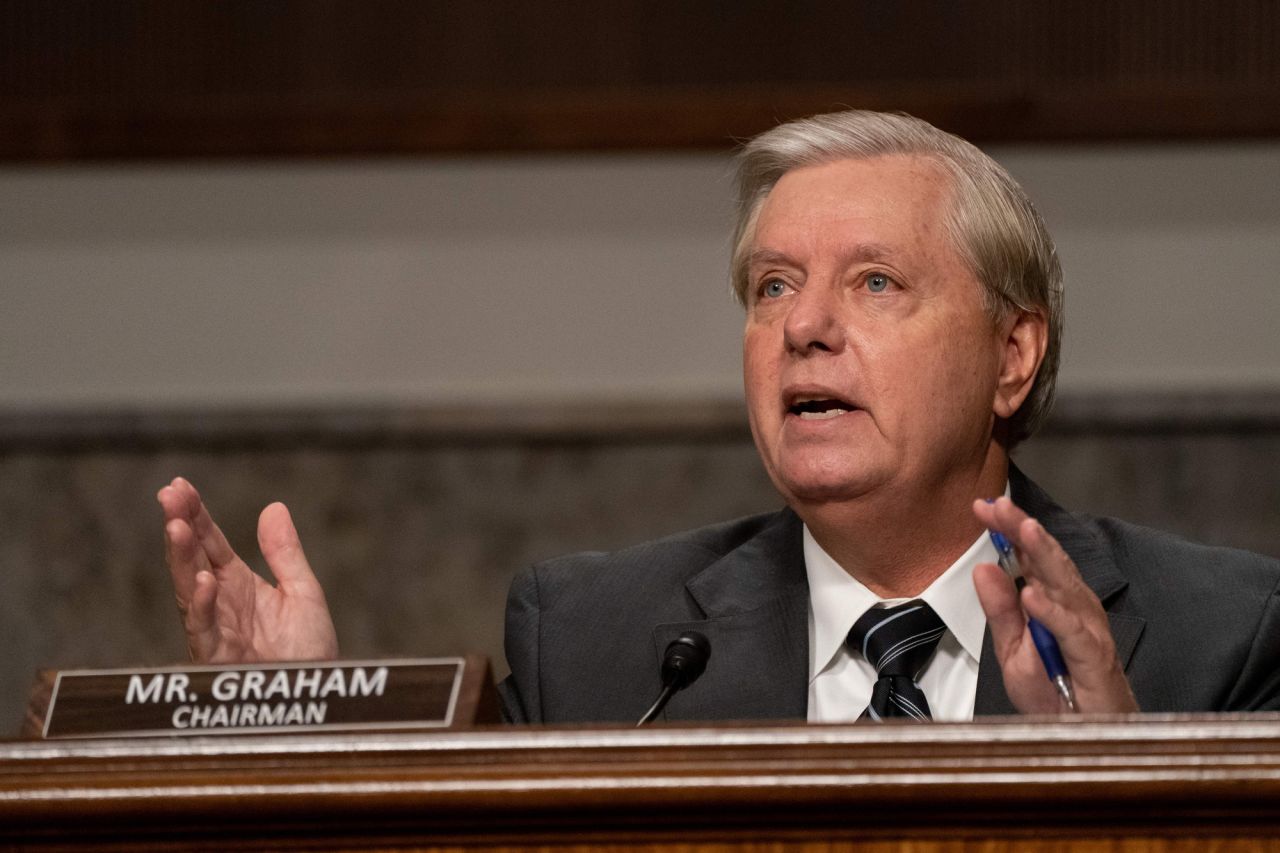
886 183
874 201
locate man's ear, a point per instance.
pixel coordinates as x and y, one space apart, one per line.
1024 337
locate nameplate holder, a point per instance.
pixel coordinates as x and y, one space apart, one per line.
277 698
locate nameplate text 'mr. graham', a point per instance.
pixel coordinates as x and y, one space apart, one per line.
282 697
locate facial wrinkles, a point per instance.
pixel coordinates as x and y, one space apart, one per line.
829 266
905 361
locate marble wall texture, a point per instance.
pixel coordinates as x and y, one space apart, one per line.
415 522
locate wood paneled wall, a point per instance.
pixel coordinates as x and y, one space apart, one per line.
155 78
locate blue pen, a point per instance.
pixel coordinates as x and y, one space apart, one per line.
1046 645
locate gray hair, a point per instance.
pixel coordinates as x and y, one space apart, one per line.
990 219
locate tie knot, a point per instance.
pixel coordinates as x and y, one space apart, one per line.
898 640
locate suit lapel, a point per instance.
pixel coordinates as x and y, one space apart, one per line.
755 600
1097 568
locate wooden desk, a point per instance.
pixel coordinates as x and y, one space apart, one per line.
1114 784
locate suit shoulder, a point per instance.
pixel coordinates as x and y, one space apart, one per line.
1201 619
1141 550
658 563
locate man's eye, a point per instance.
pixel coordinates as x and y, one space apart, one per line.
878 282
774 287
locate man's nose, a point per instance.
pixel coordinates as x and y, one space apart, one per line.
813 322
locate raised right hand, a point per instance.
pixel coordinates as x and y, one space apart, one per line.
229 613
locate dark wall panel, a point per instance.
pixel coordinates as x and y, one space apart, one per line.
157 78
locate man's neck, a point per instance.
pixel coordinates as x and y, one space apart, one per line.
898 541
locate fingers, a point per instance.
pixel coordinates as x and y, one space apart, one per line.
192 557
182 554
229 613
184 558
282 549
1056 596
1024 674
999 599
199 618
181 501
1040 556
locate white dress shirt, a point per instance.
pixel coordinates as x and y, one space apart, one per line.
840 681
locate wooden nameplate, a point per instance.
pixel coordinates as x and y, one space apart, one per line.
383 695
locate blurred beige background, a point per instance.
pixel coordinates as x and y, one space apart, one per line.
557 277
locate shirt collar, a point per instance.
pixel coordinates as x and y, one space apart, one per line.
837 599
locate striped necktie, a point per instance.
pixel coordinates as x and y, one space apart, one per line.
898 642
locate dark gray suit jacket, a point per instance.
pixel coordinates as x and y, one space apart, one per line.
1198 628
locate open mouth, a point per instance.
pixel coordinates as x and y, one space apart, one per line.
817 410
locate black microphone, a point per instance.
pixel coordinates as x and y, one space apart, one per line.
685 659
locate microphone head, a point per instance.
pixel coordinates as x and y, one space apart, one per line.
685 659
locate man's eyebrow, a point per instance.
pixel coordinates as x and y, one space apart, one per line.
765 257
867 252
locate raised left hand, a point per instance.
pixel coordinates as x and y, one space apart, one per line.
1057 596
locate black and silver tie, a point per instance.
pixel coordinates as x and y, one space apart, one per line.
898 642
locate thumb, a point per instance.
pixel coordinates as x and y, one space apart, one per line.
278 539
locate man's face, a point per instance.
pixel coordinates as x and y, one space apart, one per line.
869 360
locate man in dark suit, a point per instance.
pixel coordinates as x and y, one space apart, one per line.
903 315
1195 628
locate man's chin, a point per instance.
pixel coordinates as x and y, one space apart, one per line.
830 487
